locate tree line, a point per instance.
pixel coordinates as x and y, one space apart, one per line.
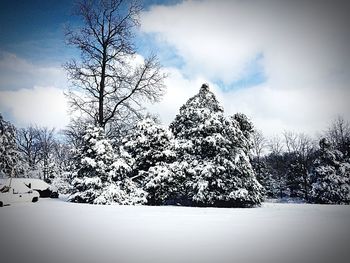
197 160
32 151
294 165
113 151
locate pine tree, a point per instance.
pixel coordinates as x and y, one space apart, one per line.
62 183
99 176
330 176
166 184
150 145
11 160
277 175
266 177
213 167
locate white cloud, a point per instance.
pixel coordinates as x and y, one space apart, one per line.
178 91
305 47
273 111
17 73
44 106
32 94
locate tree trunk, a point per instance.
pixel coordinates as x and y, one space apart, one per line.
102 91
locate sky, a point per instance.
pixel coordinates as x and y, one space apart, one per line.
285 64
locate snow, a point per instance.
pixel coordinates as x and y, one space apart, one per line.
20 184
88 161
37 184
56 231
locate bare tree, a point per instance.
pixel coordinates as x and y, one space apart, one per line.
28 143
275 145
339 135
259 144
74 132
47 145
62 155
301 149
258 147
37 144
108 83
291 141
298 143
277 161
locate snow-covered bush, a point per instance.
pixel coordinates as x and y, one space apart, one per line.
99 175
330 176
213 166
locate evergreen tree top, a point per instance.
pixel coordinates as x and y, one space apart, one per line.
204 99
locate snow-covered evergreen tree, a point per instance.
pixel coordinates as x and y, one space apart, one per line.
100 176
62 183
149 144
11 161
151 147
166 184
276 181
330 176
266 177
213 166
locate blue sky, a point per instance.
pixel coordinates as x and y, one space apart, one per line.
285 64
34 29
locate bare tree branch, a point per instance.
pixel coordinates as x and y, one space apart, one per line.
108 81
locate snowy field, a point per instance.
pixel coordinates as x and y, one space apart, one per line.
55 231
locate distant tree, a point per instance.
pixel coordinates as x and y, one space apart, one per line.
47 143
266 177
28 143
338 134
259 144
299 157
62 160
275 175
109 82
275 145
73 133
11 162
62 154
330 176
277 168
38 146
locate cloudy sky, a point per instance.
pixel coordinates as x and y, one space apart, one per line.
286 64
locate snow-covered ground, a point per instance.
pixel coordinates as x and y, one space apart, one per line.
55 231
